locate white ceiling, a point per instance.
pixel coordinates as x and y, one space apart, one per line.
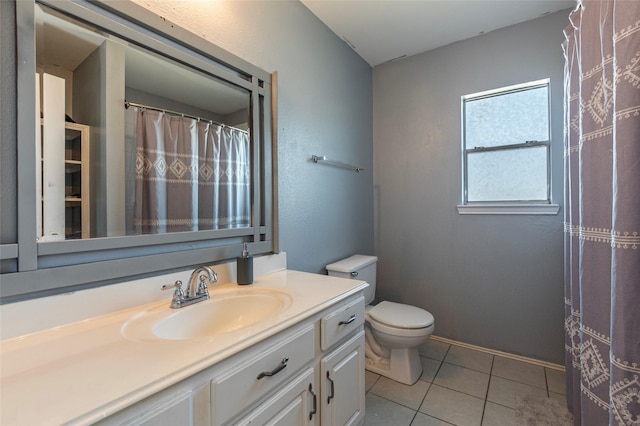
383 30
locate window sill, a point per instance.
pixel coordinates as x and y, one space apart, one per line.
541 209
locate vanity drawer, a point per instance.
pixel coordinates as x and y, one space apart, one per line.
341 323
259 374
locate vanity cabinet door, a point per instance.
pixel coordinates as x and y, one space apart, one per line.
164 409
342 383
295 404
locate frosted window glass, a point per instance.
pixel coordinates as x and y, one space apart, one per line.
509 118
508 175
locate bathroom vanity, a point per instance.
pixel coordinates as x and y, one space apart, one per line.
297 357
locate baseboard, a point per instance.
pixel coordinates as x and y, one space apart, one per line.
545 364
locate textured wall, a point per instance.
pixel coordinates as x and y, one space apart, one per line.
325 108
493 281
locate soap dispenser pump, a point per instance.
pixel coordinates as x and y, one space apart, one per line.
245 267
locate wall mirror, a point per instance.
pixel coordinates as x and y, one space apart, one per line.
166 149
148 142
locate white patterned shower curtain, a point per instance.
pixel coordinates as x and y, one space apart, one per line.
602 212
190 175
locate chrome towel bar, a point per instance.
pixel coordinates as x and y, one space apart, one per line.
318 158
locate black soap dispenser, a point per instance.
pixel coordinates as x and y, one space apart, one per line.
245 267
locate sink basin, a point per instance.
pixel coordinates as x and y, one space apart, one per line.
224 312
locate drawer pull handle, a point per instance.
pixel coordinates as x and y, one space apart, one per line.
315 402
275 371
332 394
351 319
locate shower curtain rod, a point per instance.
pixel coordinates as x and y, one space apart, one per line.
128 104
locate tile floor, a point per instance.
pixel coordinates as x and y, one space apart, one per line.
459 386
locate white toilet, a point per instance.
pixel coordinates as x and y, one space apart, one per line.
393 330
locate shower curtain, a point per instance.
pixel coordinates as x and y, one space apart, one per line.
190 175
602 212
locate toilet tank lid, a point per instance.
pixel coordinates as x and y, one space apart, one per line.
351 264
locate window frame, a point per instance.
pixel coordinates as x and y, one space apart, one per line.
522 206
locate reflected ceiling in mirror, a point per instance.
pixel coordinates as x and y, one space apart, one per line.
178 160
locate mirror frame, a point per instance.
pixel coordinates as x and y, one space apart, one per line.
45 268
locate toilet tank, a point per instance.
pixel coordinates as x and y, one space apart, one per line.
359 267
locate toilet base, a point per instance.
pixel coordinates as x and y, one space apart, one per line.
403 366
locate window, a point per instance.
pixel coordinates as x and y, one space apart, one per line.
506 148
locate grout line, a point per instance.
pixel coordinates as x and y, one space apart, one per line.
429 384
486 394
415 413
546 382
491 376
484 410
501 405
395 402
477 370
437 418
515 381
493 361
545 364
457 391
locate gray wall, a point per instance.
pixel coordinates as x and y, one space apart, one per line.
492 280
325 108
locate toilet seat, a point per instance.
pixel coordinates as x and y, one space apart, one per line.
396 332
400 316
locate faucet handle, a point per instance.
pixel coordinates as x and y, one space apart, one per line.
178 293
202 286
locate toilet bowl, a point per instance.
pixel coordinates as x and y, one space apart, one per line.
393 330
399 330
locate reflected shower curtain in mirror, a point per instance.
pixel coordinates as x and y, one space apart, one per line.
190 175
602 213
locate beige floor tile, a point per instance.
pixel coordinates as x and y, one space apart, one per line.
562 399
409 396
498 415
519 371
429 368
469 358
370 379
382 412
463 380
434 349
453 407
556 381
452 389
505 392
422 419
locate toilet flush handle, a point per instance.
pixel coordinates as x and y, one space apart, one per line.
354 274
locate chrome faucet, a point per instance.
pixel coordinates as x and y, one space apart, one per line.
196 292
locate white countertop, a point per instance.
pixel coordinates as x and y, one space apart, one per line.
85 371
